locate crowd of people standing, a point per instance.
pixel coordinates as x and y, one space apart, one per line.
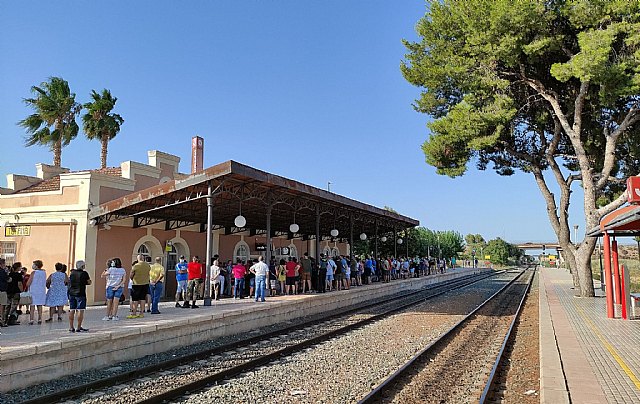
251 278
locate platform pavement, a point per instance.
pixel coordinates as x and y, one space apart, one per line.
585 357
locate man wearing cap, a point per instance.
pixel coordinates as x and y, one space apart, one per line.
78 281
182 277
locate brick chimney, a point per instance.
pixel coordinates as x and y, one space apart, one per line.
197 151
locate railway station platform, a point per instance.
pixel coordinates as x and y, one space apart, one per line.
585 357
31 354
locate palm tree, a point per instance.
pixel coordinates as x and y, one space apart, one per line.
100 123
56 108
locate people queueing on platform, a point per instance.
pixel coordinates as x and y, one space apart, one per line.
57 284
115 278
238 276
182 277
140 277
216 280
194 269
37 287
281 271
347 273
78 281
331 267
249 277
261 272
273 278
292 271
4 296
322 274
306 270
156 283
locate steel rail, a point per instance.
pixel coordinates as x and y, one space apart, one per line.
203 382
131 375
487 387
376 393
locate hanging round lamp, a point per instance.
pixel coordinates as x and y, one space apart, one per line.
240 221
293 228
399 241
363 236
334 233
383 238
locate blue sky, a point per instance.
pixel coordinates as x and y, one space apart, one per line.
310 90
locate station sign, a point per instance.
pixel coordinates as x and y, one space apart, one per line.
487 257
633 190
17 231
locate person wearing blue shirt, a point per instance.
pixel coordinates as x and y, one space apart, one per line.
368 268
182 277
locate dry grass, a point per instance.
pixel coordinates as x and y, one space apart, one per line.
633 265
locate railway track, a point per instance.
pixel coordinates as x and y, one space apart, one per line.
261 380
237 357
461 365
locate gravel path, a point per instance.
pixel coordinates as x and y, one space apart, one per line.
345 368
521 378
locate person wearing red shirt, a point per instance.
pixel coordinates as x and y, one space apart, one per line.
239 272
292 272
194 269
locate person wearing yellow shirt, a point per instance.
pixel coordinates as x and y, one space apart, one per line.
141 280
156 280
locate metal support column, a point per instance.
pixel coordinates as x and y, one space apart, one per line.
607 274
375 243
616 272
395 243
209 255
406 241
351 245
268 254
318 235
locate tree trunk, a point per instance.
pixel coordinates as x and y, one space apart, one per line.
57 153
583 263
103 152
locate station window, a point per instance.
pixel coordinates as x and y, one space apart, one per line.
241 252
293 251
8 252
144 251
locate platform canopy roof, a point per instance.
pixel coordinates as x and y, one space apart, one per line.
238 188
624 221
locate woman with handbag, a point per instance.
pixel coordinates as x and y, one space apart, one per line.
57 293
37 288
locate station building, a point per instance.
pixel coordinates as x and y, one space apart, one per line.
152 209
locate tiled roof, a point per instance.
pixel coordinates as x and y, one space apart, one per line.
53 184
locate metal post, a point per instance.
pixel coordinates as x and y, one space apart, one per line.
406 240
375 243
616 272
207 265
351 245
395 243
268 253
607 274
601 270
317 234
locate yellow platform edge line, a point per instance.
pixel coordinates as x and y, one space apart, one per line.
611 349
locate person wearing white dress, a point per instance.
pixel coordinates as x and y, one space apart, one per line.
37 286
